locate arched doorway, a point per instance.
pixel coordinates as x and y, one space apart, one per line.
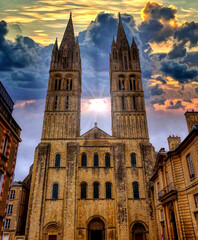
96 229
138 232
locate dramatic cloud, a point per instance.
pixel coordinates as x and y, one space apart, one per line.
156 90
178 71
24 65
177 105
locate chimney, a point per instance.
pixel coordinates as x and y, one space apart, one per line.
173 142
191 120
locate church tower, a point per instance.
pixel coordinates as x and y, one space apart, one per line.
127 97
92 186
64 89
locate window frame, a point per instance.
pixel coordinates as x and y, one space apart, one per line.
96 160
190 166
55 191
12 195
133 160
83 191
10 208
57 160
7 223
96 189
5 145
84 161
196 200
108 190
136 194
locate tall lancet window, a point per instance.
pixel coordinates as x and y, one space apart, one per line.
96 160
123 104
55 191
125 62
67 102
57 160
134 103
135 190
55 102
96 190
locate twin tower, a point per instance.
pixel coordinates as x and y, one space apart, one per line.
92 186
64 89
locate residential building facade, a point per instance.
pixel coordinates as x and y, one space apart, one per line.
9 140
175 185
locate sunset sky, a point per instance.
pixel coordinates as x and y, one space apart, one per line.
166 33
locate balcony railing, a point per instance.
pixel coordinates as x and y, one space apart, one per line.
168 189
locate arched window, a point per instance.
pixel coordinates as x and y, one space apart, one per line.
55 191
96 160
56 84
134 85
57 160
120 85
84 160
130 82
135 190
108 190
83 190
59 84
67 84
96 190
123 87
133 160
107 160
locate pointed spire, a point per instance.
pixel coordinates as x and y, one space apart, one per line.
133 45
121 36
55 48
113 43
68 38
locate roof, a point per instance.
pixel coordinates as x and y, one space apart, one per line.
95 133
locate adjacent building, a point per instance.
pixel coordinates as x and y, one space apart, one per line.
175 185
95 185
9 140
15 222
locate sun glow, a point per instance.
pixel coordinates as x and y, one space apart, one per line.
96 105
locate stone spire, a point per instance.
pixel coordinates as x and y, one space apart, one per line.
55 48
68 38
121 36
133 45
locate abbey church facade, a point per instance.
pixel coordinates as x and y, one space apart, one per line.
93 186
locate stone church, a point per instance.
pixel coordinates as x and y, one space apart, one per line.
93 186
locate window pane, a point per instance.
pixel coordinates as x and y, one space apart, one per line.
57 160
84 160
5 145
133 160
96 160
1 180
12 194
135 190
96 190
196 200
108 190
83 190
55 191
190 165
10 209
107 160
